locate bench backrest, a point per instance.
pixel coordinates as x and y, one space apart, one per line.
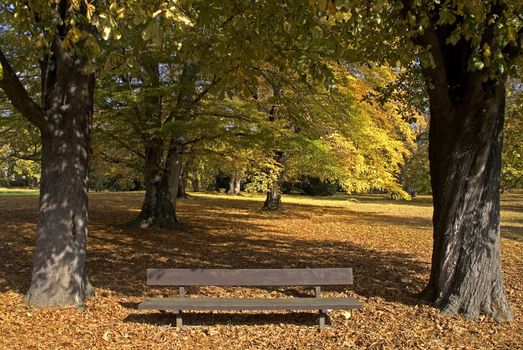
249 277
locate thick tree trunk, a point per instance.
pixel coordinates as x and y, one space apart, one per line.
235 183
157 207
59 275
161 184
465 158
273 198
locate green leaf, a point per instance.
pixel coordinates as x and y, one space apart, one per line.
147 33
500 67
446 16
475 63
1 72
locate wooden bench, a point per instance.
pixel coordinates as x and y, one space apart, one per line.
249 277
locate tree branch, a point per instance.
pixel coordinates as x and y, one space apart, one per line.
18 95
125 145
208 138
225 115
202 94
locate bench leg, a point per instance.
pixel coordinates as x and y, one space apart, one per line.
322 318
179 322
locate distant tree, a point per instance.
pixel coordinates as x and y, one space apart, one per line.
512 157
20 150
415 174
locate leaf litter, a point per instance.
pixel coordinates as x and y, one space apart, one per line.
387 243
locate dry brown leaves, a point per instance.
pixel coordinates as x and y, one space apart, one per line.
387 243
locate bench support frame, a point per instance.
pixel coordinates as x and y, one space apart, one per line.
220 277
179 321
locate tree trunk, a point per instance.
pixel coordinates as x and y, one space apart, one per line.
182 186
59 275
273 198
465 160
195 183
235 183
157 207
161 183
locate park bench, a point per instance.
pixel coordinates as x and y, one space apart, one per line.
182 278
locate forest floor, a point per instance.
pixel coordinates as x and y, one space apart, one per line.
388 243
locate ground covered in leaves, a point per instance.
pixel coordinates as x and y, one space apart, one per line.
387 243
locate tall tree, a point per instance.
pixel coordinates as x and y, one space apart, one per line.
466 49
156 100
62 31
332 134
274 190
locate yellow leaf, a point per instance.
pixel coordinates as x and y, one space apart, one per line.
1 72
147 32
74 35
74 5
90 10
105 336
347 314
180 17
106 32
121 13
486 50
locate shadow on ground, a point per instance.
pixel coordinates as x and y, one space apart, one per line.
227 318
224 233
219 234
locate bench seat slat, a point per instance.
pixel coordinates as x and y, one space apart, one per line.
187 304
249 277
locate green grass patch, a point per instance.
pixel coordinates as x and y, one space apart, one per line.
17 191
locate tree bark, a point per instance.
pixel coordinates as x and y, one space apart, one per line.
465 140
59 275
161 184
466 275
195 183
235 183
183 185
273 198
163 172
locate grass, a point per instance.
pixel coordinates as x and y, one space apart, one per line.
16 191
